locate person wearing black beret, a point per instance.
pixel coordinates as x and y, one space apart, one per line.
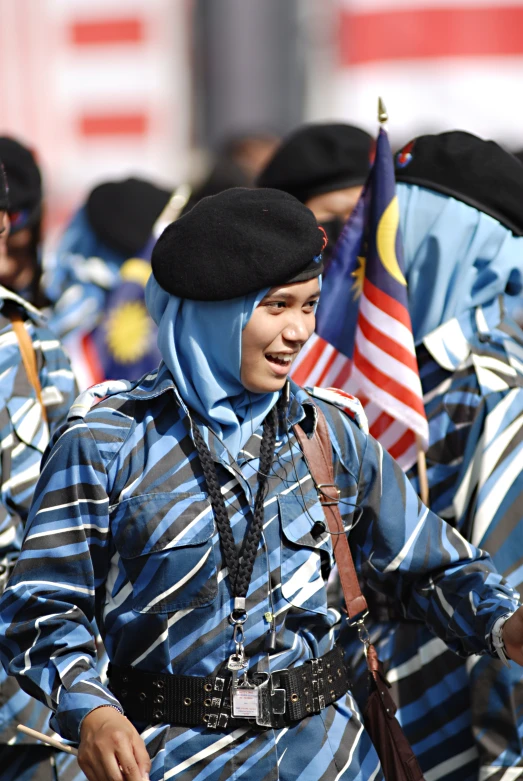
182 513
95 278
325 166
461 218
22 270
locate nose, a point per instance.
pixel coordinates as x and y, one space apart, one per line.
298 328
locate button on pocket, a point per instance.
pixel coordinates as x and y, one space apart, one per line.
165 541
303 555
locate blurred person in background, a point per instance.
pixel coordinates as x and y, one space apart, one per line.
325 166
237 163
89 279
21 268
113 225
36 392
462 223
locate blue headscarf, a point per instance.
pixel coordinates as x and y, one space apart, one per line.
200 342
456 257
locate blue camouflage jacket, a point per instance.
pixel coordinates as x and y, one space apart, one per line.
121 530
24 436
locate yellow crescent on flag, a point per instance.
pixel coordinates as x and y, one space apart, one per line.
386 240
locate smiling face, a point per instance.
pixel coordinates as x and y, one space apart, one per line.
279 327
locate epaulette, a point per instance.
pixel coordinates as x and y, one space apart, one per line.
349 404
96 393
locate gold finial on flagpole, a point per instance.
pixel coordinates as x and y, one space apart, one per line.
382 112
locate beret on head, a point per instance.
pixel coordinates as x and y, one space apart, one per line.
477 172
25 183
4 198
123 213
318 159
238 242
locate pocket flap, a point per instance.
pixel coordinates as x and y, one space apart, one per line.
160 521
299 516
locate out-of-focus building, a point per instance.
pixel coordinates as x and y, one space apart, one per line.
99 88
438 64
104 89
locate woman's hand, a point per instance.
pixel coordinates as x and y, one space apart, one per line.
513 636
111 749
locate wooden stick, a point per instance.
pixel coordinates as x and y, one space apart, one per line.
422 473
47 739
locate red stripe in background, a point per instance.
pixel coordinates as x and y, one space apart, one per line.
387 384
386 303
305 368
96 32
403 444
135 124
385 343
423 33
380 425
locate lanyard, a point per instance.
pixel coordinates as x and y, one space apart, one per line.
239 576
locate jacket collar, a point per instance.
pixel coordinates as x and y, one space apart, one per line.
300 409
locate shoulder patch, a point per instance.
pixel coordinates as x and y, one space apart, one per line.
93 395
349 404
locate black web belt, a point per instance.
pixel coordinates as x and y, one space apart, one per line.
286 696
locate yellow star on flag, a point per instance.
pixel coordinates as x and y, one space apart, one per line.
359 277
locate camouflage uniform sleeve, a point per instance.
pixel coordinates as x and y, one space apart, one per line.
46 636
403 549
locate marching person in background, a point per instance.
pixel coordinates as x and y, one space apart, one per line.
21 268
181 512
325 166
36 391
462 224
113 225
95 279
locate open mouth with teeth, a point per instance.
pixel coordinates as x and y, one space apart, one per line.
280 360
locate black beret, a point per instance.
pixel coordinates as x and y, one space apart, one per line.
238 242
477 172
318 159
123 213
4 198
25 183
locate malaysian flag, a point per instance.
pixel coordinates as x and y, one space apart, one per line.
363 342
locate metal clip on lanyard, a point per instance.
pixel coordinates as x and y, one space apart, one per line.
244 694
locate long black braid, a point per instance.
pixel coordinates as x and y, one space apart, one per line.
240 577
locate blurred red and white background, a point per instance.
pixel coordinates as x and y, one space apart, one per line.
98 88
107 88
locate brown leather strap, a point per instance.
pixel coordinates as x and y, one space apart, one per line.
318 455
28 356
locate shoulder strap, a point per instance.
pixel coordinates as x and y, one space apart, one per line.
318 455
28 356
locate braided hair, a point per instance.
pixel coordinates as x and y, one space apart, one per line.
240 577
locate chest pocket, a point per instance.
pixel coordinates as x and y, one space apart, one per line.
165 542
306 557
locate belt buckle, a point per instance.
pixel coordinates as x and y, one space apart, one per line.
272 701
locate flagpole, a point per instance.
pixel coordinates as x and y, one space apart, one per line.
421 459
422 473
